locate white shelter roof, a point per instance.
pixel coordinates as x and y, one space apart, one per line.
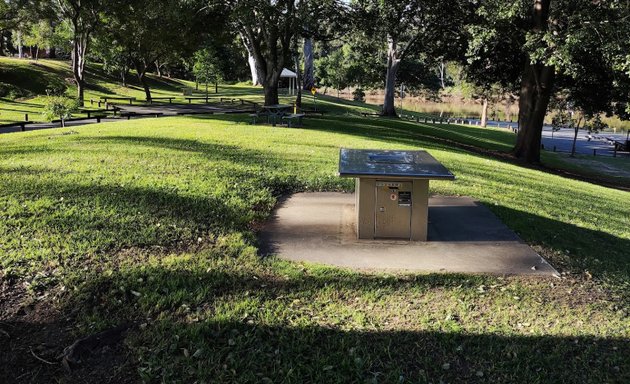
287 73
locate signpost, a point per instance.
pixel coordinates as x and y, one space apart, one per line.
314 91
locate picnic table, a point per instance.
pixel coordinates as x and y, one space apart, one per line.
106 98
275 112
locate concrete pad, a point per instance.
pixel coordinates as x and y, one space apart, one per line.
464 237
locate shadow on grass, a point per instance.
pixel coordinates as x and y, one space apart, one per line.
273 339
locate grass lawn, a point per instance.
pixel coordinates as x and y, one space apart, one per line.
152 222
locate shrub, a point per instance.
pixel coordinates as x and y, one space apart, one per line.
59 107
358 94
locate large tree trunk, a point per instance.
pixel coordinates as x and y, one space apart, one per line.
393 62
270 88
534 99
254 66
309 68
536 88
484 113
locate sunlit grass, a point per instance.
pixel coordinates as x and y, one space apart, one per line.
154 221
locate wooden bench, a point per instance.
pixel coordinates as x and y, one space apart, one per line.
97 117
89 112
129 115
130 99
294 117
191 98
21 124
169 98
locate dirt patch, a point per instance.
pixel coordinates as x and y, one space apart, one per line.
33 335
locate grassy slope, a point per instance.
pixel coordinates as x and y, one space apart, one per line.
33 76
154 220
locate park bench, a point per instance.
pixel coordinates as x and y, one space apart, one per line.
97 117
191 98
107 98
169 98
294 118
21 124
129 115
89 112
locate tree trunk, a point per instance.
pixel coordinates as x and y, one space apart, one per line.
309 68
536 88
37 53
442 73
271 88
577 128
484 113
123 76
254 66
141 68
157 67
51 52
393 63
79 50
19 45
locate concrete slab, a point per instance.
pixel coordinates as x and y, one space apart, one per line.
464 237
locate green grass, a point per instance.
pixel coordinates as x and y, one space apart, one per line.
154 221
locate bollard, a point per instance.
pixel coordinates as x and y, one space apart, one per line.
594 152
98 119
99 104
26 117
91 101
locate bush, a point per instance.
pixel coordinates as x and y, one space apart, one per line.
358 94
59 107
12 92
56 88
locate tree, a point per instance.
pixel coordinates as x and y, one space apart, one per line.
84 16
39 35
149 30
544 47
268 30
410 28
207 68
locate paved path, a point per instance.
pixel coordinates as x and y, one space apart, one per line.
464 237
